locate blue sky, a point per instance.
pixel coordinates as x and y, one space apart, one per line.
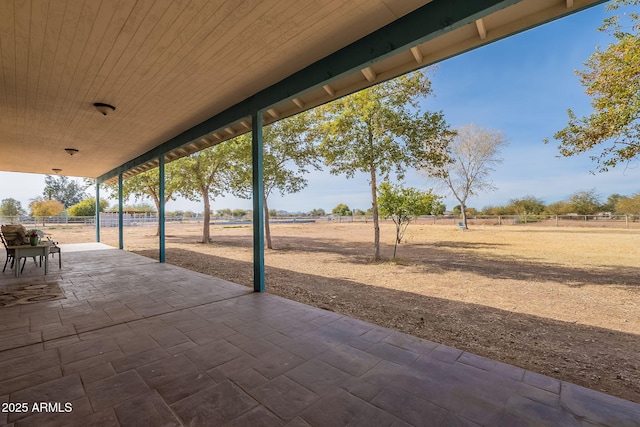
522 85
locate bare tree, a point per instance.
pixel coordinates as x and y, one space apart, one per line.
473 152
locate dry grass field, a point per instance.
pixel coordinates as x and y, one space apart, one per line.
564 302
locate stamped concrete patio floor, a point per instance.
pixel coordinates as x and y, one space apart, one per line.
136 342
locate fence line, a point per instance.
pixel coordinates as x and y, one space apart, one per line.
106 220
150 219
614 221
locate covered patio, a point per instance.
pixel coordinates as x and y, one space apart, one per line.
130 341
135 342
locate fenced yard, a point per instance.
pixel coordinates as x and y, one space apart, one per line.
151 220
562 301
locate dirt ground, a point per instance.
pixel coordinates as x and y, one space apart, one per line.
563 302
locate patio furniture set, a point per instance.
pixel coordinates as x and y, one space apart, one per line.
19 246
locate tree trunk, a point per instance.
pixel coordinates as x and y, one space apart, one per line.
267 230
398 230
157 202
206 228
374 208
463 210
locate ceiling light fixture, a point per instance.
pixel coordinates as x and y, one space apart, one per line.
104 109
57 170
71 151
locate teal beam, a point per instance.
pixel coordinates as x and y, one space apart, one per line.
120 214
258 201
97 212
161 213
425 23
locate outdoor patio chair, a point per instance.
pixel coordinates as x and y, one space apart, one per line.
14 234
11 255
55 249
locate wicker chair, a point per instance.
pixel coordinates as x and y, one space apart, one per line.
11 255
14 234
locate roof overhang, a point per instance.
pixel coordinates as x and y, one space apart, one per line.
184 77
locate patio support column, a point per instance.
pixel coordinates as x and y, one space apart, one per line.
258 201
97 211
161 232
120 214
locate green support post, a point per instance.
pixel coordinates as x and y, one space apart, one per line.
161 213
258 201
97 211
120 214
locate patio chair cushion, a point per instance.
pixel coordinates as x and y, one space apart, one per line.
14 234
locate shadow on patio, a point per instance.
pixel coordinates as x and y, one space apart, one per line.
140 342
594 357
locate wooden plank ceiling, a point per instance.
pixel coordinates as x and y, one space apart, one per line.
167 65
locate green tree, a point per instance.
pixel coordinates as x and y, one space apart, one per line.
138 207
585 202
612 80
457 210
559 208
238 213
11 207
612 201
628 205
341 210
403 205
87 207
439 208
223 212
495 210
381 130
289 154
317 212
175 214
528 205
206 175
474 152
66 191
147 185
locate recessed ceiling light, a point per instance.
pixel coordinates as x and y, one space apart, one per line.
57 170
71 151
